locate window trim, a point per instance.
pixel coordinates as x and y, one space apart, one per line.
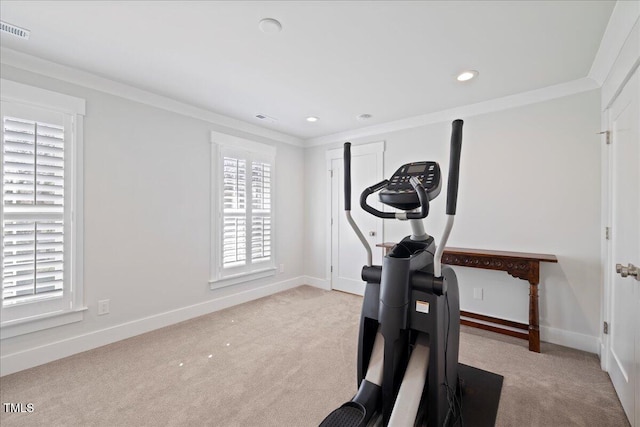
18 93
220 142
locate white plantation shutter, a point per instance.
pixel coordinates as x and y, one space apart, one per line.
243 231
261 211
234 195
33 206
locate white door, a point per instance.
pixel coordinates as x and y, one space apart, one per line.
624 120
348 255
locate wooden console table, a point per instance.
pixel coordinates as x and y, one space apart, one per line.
525 266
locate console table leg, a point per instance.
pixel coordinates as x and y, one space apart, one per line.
534 319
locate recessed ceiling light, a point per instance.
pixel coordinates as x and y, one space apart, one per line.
467 75
363 117
312 119
270 26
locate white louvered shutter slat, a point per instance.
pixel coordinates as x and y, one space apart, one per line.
50 168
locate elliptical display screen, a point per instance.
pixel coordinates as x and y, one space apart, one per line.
415 168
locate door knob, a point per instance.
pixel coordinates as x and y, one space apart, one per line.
630 270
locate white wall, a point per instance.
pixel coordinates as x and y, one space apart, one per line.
147 224
530 182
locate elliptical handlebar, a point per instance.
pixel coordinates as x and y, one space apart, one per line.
417 186
452 192
454 166
347 203
367 192
347 176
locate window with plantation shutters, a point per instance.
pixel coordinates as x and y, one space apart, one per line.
41 186
33 210
242 203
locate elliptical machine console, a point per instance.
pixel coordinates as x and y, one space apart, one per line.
400 194
410 322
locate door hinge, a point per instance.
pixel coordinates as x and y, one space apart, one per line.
607 233
332 268
607 136
331 172
605 328
331 221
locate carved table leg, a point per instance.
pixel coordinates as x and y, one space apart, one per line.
534 319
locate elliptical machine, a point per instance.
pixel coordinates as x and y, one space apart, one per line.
410 323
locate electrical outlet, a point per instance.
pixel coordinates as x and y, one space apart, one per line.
103 307
477 293
281 268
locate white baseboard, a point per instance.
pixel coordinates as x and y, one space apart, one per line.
600 348
604 357
19 361
317 282
570 339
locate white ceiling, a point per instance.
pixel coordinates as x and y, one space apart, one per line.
333 60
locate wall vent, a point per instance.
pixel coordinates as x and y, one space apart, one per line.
22 33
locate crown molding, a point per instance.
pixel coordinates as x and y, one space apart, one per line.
623 18
18 92
525 98
82 78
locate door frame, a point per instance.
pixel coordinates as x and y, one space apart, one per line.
608 274
336 154
618 73
608 263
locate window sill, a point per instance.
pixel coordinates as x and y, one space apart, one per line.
241 278
14 328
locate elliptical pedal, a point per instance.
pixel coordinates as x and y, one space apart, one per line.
351 414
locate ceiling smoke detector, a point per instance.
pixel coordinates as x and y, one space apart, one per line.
14 30
270 26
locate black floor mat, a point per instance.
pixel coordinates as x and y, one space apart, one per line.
480 396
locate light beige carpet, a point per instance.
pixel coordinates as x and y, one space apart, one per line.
285 360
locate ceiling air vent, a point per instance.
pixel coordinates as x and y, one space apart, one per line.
5 27
266 118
